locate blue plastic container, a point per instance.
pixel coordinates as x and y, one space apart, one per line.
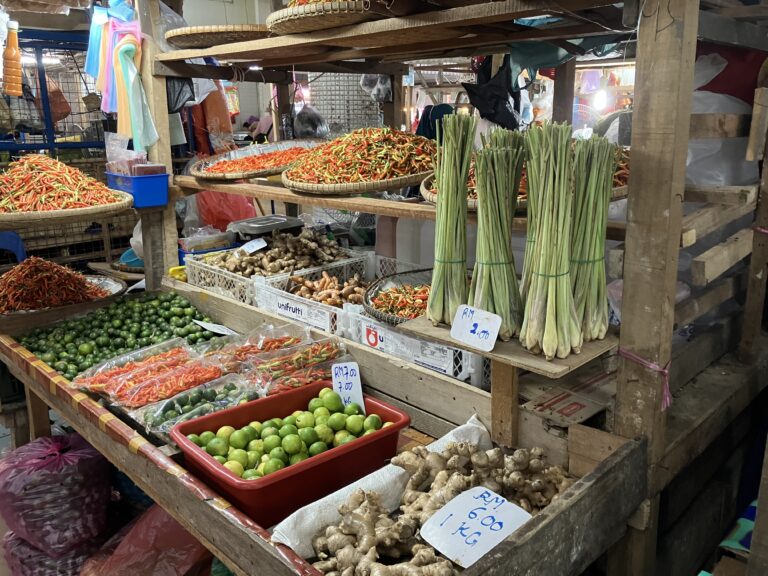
147 191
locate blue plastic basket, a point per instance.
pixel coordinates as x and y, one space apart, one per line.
147 191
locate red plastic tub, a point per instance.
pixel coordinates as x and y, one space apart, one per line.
272 498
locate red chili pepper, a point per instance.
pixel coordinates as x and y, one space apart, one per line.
257 162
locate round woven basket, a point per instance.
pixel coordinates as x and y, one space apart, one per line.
413 277
207 36
15 220
198 169
426 192
319 16
353 187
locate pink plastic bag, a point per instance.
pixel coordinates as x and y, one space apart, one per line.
156 545
25 560
220 208
54 493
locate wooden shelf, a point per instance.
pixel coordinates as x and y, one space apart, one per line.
512 353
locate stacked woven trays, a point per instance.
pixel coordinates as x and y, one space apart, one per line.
200 168
319 16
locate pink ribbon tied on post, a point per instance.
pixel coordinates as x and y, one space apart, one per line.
666 399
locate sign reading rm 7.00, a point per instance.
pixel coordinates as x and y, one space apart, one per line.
346 382
476 328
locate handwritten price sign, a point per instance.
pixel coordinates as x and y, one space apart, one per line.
346 382
476 328
473 523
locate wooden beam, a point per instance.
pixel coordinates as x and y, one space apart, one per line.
757 564
587 447
393 111
697 306
562 99
187 70
759 128
706 126
723 30
660 131
708 219
745 12
505 408
37 414
730 195
711 264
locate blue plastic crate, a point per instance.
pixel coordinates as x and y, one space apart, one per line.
147 191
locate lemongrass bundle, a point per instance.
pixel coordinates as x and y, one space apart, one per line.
550 324
449 277
494 287
595 161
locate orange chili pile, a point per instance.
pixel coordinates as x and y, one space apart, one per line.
365 155
258 162
167 384
132 373
40 183
621 176
303 358
403 301
35 284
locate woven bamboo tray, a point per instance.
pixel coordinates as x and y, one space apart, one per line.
198 169
207 36
426 192
16 220
319 16
413 277
351 188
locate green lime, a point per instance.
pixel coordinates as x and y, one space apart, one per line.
248 474
372 422
235 467
287 430
355 424
296 458
220 459
240 456
85 349
324 433
371 431
278 454
388 424
317 447
308 435
225 432
239 439
352 409
273 465
217 447
333 402
268 431
290 421
254 457
195 439
276 422
314 404
272 442
291 444
305 420
256 426
256 445
249 432
323 392
342 437
337 421
206 437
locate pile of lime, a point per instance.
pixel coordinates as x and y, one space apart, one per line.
262 448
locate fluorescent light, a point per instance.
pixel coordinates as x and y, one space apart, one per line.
31 60
600 100
254 67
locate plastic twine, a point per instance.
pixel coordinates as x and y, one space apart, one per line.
666 400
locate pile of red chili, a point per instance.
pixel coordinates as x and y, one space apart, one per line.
168 384
365 155
35 284
403 301
302 357
112 381
40 183
258 162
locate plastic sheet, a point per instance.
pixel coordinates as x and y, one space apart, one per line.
54 493
155 545
218 209
23 559
267 384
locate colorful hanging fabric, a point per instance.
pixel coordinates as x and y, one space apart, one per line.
133 116
99 21
117 31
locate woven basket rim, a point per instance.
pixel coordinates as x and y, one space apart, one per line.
318 16
194 36
426 193
197 171
27 218
352 188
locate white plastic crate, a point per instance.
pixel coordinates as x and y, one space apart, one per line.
241 288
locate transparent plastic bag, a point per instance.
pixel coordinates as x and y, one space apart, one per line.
54 493
23 559
155 545
282 362
219 394
615 291
267 384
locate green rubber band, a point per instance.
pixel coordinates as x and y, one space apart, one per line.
450 261
587 261
551 275
494 263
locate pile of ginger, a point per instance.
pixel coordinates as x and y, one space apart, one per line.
368 541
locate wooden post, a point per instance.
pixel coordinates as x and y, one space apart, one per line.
393 111
757 565
37 415
283 105
562 99
661 125
158 229
505 417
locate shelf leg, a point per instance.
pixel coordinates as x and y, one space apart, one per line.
37 414
153 238
757 564
505 414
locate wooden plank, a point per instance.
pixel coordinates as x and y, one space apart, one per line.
37 413
706 126
728 566
512 353
759 127
757 564
744 12
696 306
711 264
393 111
505 407
661 124
615 262
723 30
587 447
709 218
611 492
562 99
721 194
